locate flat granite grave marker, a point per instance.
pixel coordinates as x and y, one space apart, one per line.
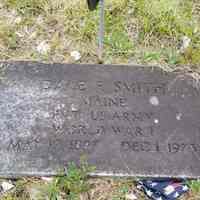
126 120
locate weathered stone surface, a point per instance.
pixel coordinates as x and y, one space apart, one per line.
125 120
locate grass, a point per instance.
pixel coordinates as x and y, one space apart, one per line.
123 189
132 29
8 36
31 7
117 41
195 186
69 185
165 18
19 193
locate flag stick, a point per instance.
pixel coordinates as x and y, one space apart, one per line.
101 31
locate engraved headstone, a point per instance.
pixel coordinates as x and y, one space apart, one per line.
126 120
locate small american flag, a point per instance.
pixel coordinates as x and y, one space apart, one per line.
163 189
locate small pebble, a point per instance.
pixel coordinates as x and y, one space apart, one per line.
75 55
39 19
6 186
156 121
131 196
185 43
154 100
179 116
18 20
74 108
196 29
47 179
43 47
